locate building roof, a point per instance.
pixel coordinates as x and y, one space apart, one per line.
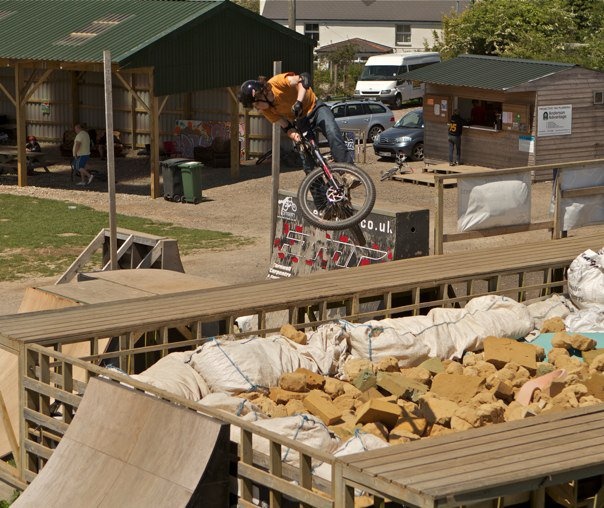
488 72
363 47
191 45
368 11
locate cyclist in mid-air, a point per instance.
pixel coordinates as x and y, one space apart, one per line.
289 96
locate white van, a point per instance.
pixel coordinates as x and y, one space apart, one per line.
383 77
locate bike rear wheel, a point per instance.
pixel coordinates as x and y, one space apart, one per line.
331 208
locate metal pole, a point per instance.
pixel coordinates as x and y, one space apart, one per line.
275 163
110 158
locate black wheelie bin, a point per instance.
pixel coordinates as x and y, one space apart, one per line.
172 179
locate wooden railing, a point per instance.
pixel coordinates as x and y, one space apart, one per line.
555 225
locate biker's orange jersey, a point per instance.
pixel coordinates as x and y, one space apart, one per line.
285 97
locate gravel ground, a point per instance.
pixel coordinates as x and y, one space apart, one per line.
241 207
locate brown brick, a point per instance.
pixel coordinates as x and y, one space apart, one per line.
322 408
499 351
401 386
377 410
456 387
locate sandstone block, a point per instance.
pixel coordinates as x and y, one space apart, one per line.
590 356
378 429
281 396
555 324
499 351
400 386
437 411
290 332
376 410
455 387
322 408
364 380
344 402
504 391
595 385
433 365
313 380
344 430
371 393
293 382
410 424
294 407
418 374
333 387
388 364
354 366
573 340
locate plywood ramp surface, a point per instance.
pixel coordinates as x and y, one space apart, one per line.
125 448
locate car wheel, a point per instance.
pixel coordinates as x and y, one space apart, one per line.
398 102
374 132
418 152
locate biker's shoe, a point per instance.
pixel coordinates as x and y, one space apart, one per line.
351 181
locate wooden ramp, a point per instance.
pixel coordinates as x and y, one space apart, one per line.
92 288
125 448
427 177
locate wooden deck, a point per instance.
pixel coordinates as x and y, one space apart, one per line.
380 280
485 463
427 177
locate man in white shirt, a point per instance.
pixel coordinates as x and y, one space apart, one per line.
81 154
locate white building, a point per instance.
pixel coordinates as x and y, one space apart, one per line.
403 25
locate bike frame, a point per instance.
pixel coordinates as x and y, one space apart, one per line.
309 145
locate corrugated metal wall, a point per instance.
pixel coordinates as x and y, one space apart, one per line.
49 110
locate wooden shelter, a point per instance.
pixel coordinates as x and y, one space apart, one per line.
529 112
178 46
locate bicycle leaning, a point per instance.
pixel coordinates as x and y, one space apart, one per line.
336 195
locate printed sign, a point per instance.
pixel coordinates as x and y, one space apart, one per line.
554 120
302 249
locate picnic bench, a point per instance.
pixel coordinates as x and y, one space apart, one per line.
9 161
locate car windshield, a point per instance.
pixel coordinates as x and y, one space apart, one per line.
412 120
377 72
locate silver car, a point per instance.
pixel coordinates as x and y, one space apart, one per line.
370 116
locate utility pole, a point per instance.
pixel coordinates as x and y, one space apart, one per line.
292 14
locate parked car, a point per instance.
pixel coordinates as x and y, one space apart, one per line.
406 137
370 116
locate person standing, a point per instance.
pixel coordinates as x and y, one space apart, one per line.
455 131
81 154
289 96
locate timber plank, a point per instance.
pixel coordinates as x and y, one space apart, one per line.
275 294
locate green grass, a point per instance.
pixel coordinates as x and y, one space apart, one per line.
42 237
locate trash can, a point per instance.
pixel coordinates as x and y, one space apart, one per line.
191 181
173 190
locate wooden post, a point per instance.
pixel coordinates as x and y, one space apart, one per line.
154 157
235 151
438 215
20 121
275 162
558 218
110 158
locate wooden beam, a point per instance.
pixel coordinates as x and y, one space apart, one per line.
20 120
235 152
154 156
134 92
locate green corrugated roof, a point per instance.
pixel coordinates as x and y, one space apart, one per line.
38 29
488 72
192 45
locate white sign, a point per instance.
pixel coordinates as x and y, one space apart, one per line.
526 144
554 120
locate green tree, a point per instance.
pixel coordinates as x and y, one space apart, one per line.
337 73
252 5
557 30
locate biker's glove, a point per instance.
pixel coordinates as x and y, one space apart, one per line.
297 109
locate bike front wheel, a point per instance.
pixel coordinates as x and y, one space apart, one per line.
336 207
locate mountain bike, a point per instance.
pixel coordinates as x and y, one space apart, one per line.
336 195
401 168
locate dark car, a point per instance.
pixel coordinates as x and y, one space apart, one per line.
369 116
406 137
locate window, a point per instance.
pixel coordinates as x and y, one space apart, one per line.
403 35
312 30
375 108
339 111
598 97
355 110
